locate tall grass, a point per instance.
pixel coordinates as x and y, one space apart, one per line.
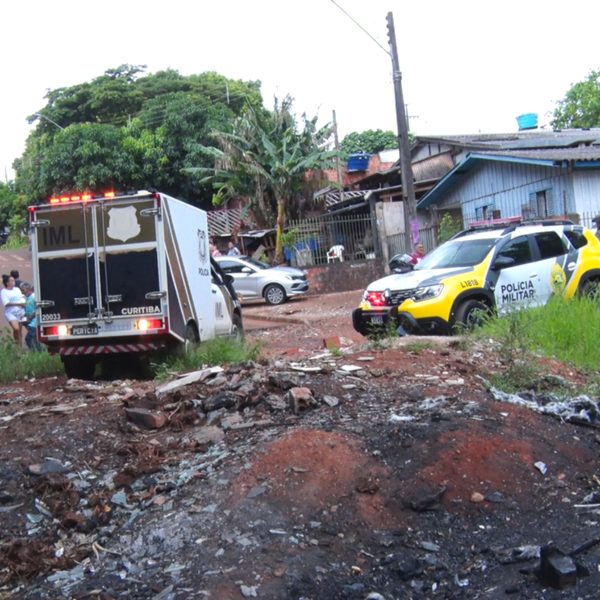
568 330
18 363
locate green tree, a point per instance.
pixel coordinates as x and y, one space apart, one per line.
8 200
267 154
13 214
111 98
370 141
581 105
89 157
129 129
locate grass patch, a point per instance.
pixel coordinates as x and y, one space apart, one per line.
568 330
380 336
336 351
417 347
16 241
18 363
212 352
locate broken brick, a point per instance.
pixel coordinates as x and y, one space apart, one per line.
145 418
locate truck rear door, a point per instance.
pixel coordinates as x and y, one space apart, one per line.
97 264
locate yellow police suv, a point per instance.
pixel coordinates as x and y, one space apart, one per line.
491 267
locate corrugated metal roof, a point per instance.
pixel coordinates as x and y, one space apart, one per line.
535 138
585 153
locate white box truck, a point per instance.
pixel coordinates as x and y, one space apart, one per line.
125 274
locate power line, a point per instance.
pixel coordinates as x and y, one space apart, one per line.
360 26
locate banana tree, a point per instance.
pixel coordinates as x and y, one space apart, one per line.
266 151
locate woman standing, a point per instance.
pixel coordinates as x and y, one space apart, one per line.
14 306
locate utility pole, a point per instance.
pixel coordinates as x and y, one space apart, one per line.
408 188
337 159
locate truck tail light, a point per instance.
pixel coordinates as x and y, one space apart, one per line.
148 324
55 330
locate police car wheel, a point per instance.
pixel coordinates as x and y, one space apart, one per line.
591 289
471 313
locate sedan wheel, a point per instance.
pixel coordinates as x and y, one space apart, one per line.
274 294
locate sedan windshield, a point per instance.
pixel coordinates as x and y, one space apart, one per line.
457 253
256 263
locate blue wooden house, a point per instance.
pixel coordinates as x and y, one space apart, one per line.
526 174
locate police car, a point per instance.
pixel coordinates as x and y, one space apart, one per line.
489 267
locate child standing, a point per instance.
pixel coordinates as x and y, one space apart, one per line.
30 318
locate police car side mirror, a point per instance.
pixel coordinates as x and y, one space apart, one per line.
228 279
502 262
247 270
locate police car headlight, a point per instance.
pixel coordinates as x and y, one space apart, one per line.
427 292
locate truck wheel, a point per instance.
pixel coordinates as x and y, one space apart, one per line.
79 367
191 338
470 314
237 328
274 294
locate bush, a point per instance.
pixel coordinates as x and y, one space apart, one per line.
448 227
18 363
567 330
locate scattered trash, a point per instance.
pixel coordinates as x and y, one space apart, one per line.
216 476
581 410
401 418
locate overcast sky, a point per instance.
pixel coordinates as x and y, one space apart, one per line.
467 66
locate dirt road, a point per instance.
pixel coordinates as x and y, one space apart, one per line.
16 259
302 325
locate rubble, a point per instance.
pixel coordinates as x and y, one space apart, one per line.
297 479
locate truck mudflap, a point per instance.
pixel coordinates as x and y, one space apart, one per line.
102 349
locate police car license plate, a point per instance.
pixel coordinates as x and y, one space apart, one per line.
376 320
84 330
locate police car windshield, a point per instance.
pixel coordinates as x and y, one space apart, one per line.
457 253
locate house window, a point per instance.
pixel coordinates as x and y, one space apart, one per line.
540 205
484 212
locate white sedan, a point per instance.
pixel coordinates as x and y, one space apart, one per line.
254 280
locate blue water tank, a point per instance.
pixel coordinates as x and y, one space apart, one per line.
527 121
358 162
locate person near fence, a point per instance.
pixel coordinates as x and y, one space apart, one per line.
418 254
596 222
233 250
